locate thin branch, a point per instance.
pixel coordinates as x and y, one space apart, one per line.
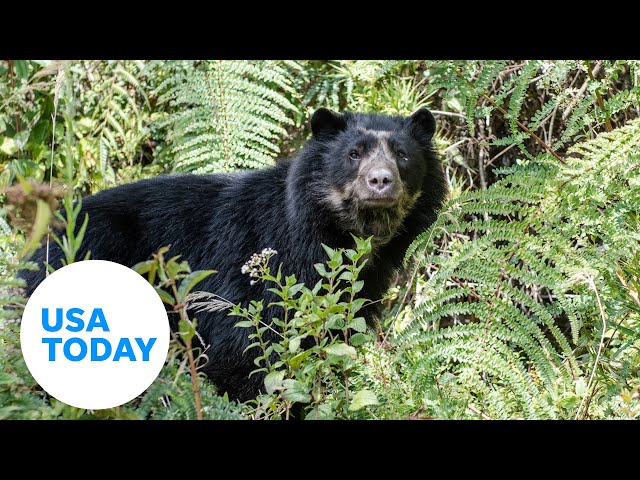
592 284
12 77
478 412
56 96
459 142
526 130
518 122
495 157
448 114
583 89
195 385
607 120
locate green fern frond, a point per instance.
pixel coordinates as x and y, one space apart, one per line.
520 92
228 114
503 278
490 71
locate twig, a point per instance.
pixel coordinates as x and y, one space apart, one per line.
518 122
553 120
482 153
416 415
583 89
526 130
478 412
635 87
592 284
195 385
448 114
194 380
12 77
607 120
501 153
56 96
459 142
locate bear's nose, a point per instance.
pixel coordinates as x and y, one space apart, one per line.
380 180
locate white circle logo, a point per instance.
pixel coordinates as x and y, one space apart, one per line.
94 334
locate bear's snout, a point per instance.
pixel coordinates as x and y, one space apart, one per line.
380 181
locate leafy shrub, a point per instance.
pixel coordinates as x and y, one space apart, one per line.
312 361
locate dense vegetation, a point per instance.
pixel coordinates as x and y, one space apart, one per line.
522 301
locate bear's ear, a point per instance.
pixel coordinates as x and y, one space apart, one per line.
326 122
422 122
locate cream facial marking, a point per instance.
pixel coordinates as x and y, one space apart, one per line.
381 154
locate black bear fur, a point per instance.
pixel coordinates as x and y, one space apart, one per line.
218 221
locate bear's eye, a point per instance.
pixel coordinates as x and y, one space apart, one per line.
402 154
354 155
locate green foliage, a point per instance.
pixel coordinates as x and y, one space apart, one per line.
171 397
109 120
179 392
227 115
515 266
325 318
174 282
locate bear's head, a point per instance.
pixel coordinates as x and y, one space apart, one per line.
374 168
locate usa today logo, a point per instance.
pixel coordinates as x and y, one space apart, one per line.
94 334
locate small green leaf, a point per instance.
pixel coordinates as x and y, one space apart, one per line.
325 412
295 289
336 261
357 304
296 391
165 296
244 324
191 281
363 245
142 267
294 344
330 251
21 67
5 412
320 269
296 361
335 322
359 339
253 345
273 381
358 324
253 372
341 349
346 275
570 402
186 330
357 286
362 399
174 269
20 139
317 287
